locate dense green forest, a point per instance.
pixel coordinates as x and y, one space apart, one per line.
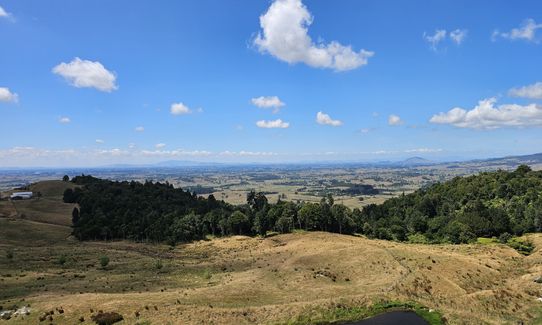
490 204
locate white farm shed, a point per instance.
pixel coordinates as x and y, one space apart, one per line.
21 195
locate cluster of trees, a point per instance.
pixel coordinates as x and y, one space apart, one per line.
486 205
159 212
489 204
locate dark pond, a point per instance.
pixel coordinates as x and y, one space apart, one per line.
393 318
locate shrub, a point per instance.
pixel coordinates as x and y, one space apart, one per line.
9 254
171 241
158 264
207 274
108 318
104 261
62 259
504 238
417 238
524 247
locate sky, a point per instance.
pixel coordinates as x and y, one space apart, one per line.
91 83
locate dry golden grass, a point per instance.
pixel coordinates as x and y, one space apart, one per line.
253 280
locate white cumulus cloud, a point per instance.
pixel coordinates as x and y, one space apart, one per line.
435 39
64 120
533 91
160 145
179 109
87 74
325 119
176 153
275 124
268 102
100 141
423 150
284 34
458 36
394 120
486 115
7 96
5 14
526 32
243 153
139 129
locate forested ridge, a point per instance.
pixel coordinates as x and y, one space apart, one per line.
490 204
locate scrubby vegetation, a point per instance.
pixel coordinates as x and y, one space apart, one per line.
107 318
104 261
491 204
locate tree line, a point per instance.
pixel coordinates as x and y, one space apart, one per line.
457 211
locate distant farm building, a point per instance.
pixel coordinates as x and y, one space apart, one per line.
21 196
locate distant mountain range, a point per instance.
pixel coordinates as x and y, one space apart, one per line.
416 161
502 162
532 159
510 161
527 159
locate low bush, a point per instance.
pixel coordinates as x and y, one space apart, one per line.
524 247
504 238
104 261
158 264
417 239
108 318
62 259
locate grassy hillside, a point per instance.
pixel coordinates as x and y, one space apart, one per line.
47 205
52 188
297 278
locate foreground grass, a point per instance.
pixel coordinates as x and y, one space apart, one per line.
342 313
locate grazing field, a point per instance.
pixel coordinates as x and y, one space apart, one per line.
47 206
292 278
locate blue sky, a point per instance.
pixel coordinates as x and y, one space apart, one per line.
86 83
